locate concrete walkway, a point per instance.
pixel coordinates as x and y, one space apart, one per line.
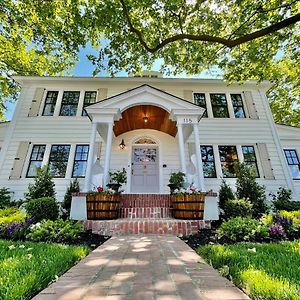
142 267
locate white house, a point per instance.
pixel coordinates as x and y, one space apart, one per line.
165 125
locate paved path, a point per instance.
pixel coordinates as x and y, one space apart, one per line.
142 267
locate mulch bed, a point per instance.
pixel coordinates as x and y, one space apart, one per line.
92 240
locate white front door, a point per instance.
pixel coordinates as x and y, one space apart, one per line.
144 169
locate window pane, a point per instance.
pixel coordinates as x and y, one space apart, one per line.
79 169
36 159
239 112
219 105
293 162
89 98
208 161
59 160
295 171
69 103
238 107
228 155
32 169
199 99
50 103
80 160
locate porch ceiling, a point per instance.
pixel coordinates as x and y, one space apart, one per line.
157 118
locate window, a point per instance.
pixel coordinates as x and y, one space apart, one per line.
36 159
58 160
50 103
208 161
228 156
69 104
199 99
238 107
80 160
89 98
250 158
219 105
293 162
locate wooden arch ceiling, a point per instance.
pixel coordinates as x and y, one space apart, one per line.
134 118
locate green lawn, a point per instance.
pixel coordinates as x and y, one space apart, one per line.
27 267
264 271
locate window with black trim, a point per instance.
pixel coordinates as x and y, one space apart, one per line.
293 162
199 99
36 158
219 105
90 97
58 160
69 103
50 103
250 158
238 106
80 160
228 156
208 161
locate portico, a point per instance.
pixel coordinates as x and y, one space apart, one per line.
144 109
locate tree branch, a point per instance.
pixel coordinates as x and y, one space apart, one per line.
209 38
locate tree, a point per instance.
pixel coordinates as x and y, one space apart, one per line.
246 39
43 185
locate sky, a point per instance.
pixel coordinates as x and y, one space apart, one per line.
84 67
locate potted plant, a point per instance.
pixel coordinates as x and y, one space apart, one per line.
176 181
117 178
188 203
102 204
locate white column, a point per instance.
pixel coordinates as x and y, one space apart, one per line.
200 174
181 148
107 153
88 172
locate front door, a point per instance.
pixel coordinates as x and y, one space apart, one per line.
144 169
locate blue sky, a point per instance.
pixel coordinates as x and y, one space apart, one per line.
85 68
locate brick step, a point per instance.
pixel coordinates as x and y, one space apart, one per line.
145 212
146 226
145 200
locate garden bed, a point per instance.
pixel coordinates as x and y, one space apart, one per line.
263 271
26 268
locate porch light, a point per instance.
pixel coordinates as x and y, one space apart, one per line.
122 145
145 119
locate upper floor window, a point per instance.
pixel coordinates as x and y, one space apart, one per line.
199 99
89 98
69 104
219 105
50 103
36 158
58 160
238 106
80 160
228 156
250 158
208 161
293 163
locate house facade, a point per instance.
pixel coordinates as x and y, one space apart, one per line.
150 126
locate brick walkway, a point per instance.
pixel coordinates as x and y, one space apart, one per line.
142 267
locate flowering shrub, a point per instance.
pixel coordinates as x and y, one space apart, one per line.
100 190
16 230
277 232
189 191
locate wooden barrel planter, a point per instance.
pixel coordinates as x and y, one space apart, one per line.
102 207
188 206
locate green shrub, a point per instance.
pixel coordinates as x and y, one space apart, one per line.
225 193
42 208
282 200
242 230
11 214
73 188
248 188
238 208
59 231
43 185
5 198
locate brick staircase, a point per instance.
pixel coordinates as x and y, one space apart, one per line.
145 214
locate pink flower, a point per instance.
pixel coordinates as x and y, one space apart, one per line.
99 189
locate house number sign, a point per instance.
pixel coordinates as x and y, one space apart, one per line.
187 120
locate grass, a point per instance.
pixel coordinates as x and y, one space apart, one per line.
30 267
264 271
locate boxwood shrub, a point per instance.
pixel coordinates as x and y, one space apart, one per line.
42 208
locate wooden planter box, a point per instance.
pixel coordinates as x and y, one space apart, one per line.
102 207
188 206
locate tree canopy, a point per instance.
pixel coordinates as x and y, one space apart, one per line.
246 39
